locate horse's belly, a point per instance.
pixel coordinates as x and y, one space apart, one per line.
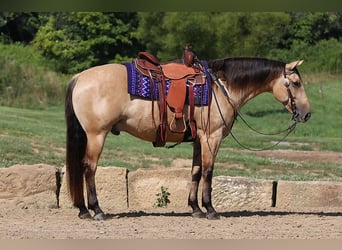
139 119
147 132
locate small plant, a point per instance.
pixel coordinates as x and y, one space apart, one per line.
162 198
24 206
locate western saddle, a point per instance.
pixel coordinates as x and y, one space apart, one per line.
188 72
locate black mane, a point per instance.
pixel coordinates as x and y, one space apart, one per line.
240 72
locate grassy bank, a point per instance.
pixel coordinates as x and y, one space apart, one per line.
26 80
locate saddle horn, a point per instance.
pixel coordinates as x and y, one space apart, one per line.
188 55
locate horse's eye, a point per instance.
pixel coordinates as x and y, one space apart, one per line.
297 84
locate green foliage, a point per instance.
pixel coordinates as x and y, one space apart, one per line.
249 34
310 28
18 26
324 56
279 35
78 40
182 27
24 82
148 32
314 37
74 41
162 197
213 35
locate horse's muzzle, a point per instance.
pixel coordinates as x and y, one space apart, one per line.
307 116
301 118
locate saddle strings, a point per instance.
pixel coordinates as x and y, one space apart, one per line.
238 114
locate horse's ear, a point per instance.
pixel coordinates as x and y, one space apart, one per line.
292 65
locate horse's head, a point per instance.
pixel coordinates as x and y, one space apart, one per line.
289 90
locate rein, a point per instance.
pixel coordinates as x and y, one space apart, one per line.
288 130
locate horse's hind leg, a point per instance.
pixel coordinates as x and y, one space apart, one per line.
93 151
196 174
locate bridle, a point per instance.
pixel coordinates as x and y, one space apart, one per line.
291 98
225 91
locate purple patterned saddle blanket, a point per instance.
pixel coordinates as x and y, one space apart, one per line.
140 85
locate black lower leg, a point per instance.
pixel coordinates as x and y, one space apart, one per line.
206 195
93 204
193 200
84 213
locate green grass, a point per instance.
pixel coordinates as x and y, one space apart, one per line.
31 136
38 136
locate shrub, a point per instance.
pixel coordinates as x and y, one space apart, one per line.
324 56
162 197
78 40
25 84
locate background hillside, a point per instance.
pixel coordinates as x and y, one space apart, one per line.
40 51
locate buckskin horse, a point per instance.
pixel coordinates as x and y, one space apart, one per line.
97 102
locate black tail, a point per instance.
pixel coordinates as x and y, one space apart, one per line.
76 143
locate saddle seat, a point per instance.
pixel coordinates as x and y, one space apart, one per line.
176 71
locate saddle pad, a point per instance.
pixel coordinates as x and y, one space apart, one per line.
139 85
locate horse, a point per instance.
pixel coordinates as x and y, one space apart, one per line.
97 103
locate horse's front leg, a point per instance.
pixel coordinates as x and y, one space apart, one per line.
196 174
94 149
209 151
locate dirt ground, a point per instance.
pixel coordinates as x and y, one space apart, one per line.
21 222
296 155
268 224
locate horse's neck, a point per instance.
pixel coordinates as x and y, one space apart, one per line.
239 97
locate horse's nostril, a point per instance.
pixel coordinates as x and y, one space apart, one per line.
307 116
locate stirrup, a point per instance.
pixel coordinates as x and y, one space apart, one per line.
177 130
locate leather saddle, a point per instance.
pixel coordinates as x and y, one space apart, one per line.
182 76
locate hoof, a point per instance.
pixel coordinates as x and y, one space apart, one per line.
84 215
198 214
213 216
99 216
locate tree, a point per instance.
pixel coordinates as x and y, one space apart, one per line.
165 34
310 28
78 40
213 35
249 33
18 26
150 30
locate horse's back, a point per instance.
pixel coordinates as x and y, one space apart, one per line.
99 95
103 74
